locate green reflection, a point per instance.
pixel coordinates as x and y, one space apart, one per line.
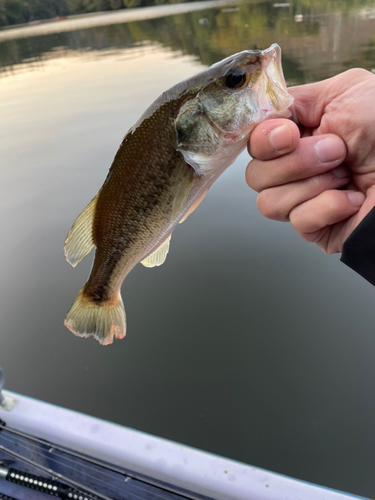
318 38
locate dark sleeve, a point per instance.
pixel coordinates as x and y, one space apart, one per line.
358 251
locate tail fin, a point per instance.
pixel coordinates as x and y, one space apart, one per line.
103 320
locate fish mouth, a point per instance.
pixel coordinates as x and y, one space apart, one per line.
273 84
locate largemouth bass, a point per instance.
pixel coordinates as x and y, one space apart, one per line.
164 166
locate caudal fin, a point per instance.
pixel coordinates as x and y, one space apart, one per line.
103 321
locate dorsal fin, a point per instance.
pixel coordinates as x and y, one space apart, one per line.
158 257
79 241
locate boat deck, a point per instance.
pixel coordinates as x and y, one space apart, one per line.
34 456
93 459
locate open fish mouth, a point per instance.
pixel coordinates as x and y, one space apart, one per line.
273 87
267 97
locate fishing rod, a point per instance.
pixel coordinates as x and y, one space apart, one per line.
128 476
5 497
91 474
72 453
70 490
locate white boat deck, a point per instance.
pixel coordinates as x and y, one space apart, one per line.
194 471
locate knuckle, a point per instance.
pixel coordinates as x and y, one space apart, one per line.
290 166
295 220
300 219
269 207
321 238
325 241
315 182
358 73
312 237
263 205
333 201
330 250
252 175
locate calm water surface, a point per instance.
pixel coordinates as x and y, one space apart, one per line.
247 342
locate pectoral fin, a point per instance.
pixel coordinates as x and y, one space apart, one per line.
194 206
158 257
80 241
182 193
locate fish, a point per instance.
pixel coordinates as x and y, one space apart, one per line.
162 170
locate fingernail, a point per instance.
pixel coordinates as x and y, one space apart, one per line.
330 149
280 138
356 198
340 172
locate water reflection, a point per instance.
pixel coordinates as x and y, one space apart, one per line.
247 342
328 39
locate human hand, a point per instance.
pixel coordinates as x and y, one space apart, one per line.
299 172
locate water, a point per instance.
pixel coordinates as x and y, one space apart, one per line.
247 342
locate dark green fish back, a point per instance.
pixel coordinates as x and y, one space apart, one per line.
137 196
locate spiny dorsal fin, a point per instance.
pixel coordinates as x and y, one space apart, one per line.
158 257
79 241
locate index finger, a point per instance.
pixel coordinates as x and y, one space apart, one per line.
273 138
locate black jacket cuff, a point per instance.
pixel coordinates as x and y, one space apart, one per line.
358 251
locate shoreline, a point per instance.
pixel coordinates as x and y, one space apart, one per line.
93 19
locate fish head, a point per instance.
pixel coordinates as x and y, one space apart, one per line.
236 94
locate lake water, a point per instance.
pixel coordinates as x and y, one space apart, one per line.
248 342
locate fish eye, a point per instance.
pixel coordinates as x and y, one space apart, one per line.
235 79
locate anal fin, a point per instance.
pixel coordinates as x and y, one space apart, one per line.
80 241
158 257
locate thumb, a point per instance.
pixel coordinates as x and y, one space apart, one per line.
310 100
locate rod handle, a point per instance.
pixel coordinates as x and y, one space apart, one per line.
51 487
